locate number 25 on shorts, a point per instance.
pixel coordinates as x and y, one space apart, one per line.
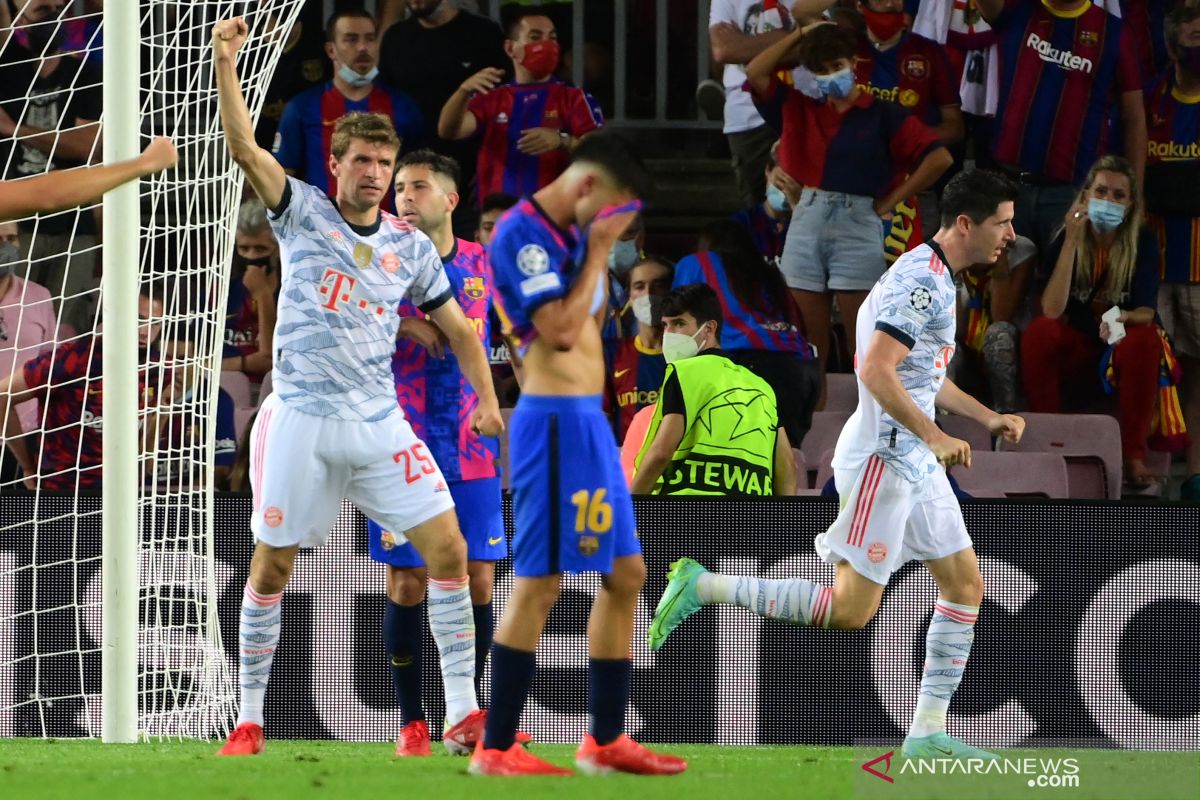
424 464
592 512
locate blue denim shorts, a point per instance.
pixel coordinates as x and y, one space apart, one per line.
834 243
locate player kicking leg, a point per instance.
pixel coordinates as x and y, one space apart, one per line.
572 507
897 504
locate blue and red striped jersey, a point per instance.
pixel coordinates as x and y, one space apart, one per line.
864 151
635 376
1060 78
305 133
914 74
436 397
506 112
769 234
72 451
1173 133
744 328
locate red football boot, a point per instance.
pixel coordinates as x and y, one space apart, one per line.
414 739
624 755
516 760
245 740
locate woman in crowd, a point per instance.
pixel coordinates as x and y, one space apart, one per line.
1103 258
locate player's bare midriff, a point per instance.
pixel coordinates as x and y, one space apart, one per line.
576 372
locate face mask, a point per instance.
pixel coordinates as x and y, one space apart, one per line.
1189 59
243 262
678 346
646 309
837 84
46 37
355 79
883 25
623 255
10 256
776 199
541 58
1105 215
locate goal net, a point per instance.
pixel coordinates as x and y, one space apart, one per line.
51 479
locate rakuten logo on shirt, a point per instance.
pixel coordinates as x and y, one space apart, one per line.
1063 58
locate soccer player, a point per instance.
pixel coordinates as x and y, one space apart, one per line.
332 427
572 507
438 402
897 504
45 194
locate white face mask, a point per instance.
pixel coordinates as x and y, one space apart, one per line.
355 79
645 308
678 346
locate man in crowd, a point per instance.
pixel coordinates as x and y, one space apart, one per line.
637 367
528 127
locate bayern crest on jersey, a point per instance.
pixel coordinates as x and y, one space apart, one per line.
473 287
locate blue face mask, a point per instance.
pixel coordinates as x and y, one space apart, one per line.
776 199
356 79
837 84
1105 215
623 255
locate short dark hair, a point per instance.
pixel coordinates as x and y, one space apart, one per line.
498 201
347 13
615 155
437 163
364 125
976 193
512 14
1184 12
697 299
826 43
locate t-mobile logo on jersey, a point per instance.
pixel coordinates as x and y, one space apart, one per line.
1052 55
338 289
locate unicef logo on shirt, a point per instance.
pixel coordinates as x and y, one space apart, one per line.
532 260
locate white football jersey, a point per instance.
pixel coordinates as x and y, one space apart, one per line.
914 302
337 321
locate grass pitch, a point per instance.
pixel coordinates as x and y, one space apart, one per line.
31 768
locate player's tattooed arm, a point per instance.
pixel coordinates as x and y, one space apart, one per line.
954 400
262 170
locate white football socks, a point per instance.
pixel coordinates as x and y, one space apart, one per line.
947 646
452 623
795 600
258 635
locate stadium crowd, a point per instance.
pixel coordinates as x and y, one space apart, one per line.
843 120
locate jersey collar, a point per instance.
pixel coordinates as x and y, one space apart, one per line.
453 254
361 230
1077 13
567 236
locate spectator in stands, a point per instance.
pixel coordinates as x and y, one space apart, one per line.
183 440
637 366
528 128
768 221
253 292
27 327
428 56
494 205
991 298
302 143
1173 206
50 107
68 383
708 402
857 157
82 36
1066 68
738 31
1102 258
761 325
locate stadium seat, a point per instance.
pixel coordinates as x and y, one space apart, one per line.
841 392
822 436
968 430
265 389
824 470
238 386
1014 474
1090 444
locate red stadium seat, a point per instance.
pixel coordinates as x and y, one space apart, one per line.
1014 474
1090 444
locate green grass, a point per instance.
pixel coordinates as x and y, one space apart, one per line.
31 768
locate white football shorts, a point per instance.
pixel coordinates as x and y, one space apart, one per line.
301 466
886 521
